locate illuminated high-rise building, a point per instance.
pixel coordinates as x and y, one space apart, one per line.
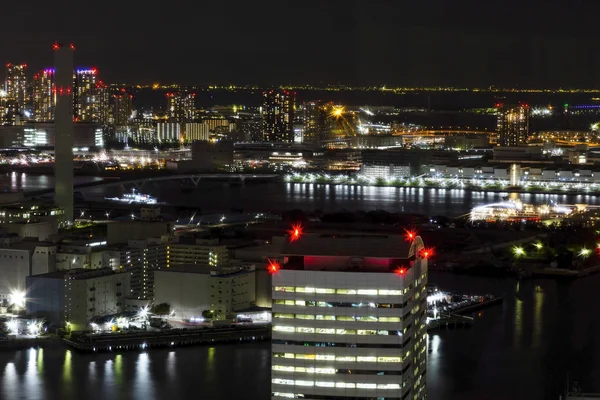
122 108
103 102
63 121
277 115
44 96
85 95
349 317
181 107
318 122
16 84
513 124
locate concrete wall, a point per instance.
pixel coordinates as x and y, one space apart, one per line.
15 266
45 299
187 293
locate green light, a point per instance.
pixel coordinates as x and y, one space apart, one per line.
566 105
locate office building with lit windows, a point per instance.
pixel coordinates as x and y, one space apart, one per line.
85 95
16 84
513 124
318 122
181 107
122 108
349 315
277 116
44 96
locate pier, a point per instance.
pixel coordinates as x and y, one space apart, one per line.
170 338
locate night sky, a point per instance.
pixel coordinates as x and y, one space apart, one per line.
527 43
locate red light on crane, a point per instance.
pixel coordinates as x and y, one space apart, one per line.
296 232
273 267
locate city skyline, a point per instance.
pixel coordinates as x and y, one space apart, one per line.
361 43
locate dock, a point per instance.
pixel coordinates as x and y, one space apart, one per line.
169 338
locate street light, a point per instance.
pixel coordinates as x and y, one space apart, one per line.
538 245
17 298
518 251
584 253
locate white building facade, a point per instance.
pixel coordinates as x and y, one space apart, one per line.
349 325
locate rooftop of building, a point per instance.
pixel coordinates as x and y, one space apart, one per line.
345 244
208 270
79 273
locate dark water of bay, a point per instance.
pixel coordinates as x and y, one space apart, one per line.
210 197
522 349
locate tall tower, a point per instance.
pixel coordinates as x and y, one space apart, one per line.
513 124
63 122
277 115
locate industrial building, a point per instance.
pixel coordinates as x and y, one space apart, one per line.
74 297
193 291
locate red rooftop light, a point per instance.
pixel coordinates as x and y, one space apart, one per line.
296 232
401 271
72 46
273 267
55 46
410 235
427 253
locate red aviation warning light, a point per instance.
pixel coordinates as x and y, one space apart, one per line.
55 46
410 235
401 271
296 232
273 267
427 253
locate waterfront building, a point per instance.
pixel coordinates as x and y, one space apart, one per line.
44 96
513 124
74 297
277 115
181 107
21 258
16 84
195 292
349 314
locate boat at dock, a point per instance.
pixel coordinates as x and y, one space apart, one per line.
134 198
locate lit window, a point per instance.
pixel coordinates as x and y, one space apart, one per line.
325 317
345 359
282 368
370 292
326 357
346 291
345 385
366 359
305 356
300 303
366 332
279 315
279 328
303 329
305 316
366 386
325 291
305 383
390 292
326 330
325 384
305 290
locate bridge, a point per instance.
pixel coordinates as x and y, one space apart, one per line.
138 183
450 131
